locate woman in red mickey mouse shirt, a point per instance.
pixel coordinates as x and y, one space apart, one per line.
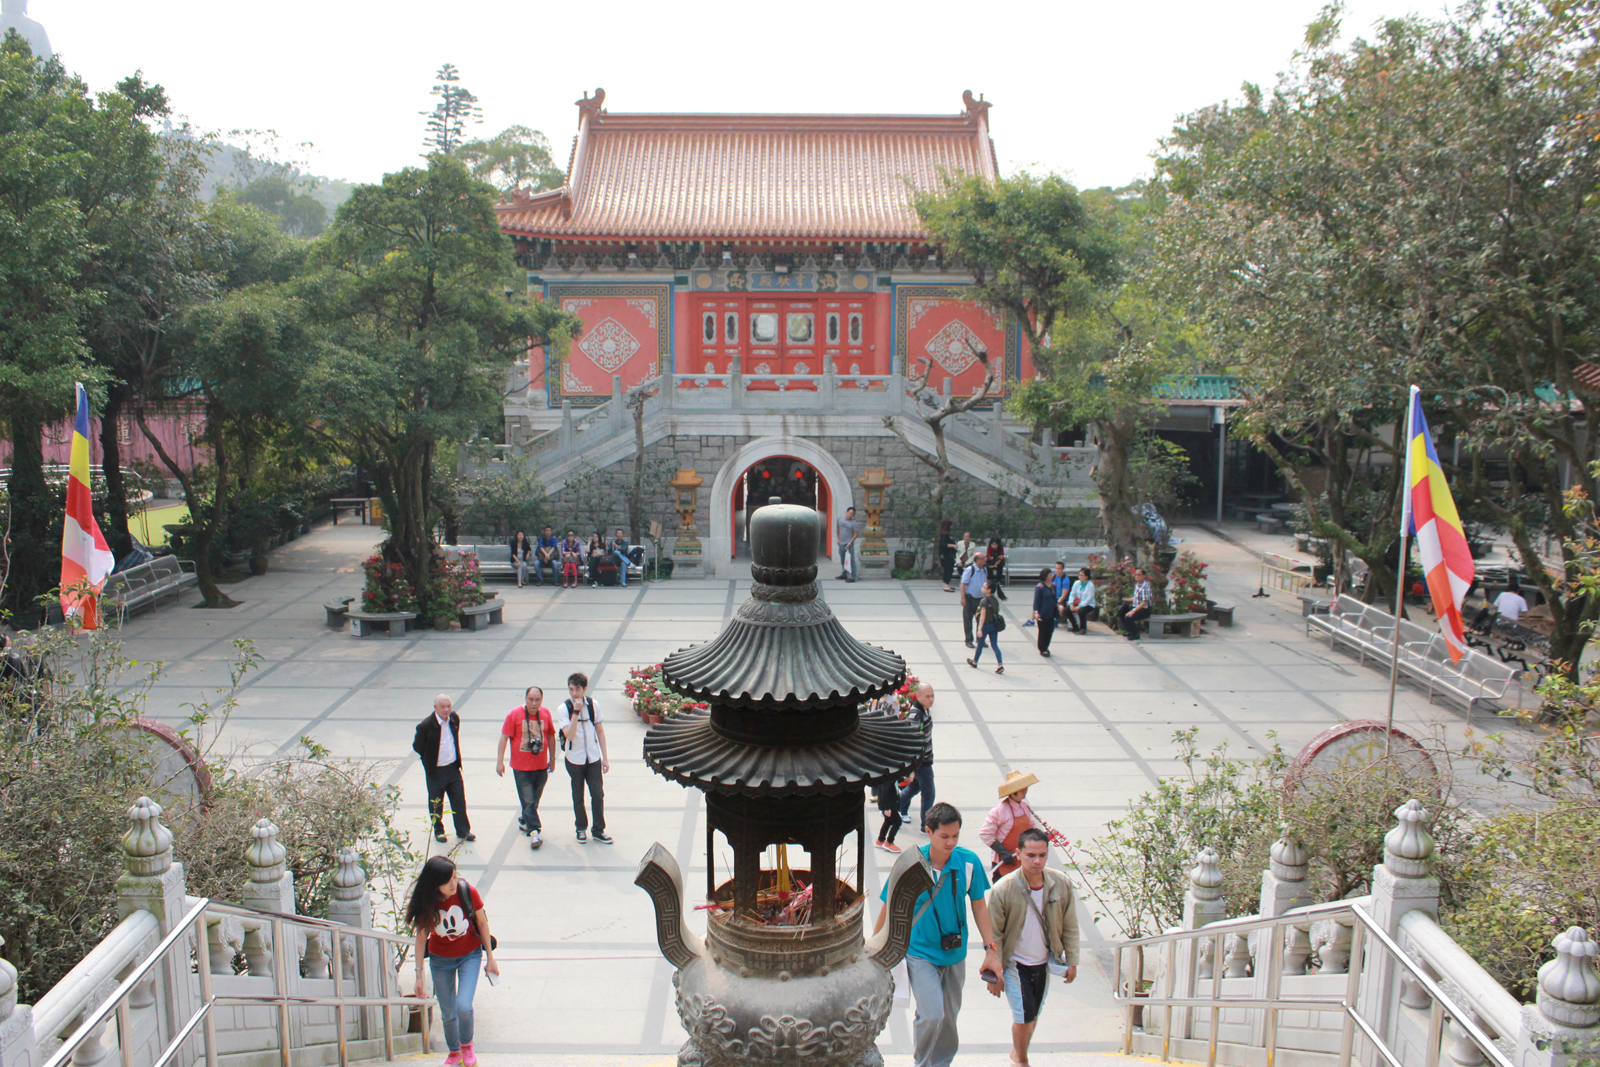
456 947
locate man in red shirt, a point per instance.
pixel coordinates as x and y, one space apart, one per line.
531 735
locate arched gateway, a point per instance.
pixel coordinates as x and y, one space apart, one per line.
780 457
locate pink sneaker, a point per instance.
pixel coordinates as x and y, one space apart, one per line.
452 1059
469 1058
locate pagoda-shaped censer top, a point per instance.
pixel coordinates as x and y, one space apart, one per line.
784 681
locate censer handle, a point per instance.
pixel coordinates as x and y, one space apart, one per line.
660 877
909 879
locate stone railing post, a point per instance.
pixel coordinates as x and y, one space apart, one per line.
567 431
1399 884
1202 906
735 383
997 432
669 391
271 888
1283 888
830 383
18 1046
619 412
362 958
153 882
1563 1026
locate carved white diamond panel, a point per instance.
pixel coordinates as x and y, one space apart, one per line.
609 344
953 347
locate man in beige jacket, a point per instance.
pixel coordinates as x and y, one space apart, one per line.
1036 926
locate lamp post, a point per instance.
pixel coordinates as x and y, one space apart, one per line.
686 494
874 550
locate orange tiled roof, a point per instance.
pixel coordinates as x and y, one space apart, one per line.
698 177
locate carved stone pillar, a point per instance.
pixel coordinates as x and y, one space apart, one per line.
1202 905
361 959
154 883
1563 1027
17 1045
1399 884
271 888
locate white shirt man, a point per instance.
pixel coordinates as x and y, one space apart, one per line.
583 735
1510 605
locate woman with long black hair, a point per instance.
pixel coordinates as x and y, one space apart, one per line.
947 554
453 934
521 552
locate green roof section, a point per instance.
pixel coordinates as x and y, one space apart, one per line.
1200 389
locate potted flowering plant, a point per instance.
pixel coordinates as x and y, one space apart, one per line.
652 700
386 590
1186 584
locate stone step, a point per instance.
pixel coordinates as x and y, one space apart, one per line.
980 1056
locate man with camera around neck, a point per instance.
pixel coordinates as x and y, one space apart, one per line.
937 958
531 734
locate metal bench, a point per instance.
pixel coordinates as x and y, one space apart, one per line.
1184 625
363 623
1219 612
336 609
482 616
148 582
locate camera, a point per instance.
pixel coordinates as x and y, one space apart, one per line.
950 942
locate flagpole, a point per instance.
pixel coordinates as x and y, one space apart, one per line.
1400 575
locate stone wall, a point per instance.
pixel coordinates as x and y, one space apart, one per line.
600 496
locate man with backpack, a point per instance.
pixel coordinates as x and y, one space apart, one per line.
583 736
531 733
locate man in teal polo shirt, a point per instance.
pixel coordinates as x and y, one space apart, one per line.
937 958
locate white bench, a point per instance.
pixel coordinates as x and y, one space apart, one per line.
1424 656
482 616
494 561
1184 625
363 623
148 582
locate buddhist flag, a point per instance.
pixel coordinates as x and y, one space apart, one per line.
85 557
1431 516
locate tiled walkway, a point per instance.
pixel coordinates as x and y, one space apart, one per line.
1094 723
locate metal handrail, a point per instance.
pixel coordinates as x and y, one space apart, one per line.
1443 1006
194 923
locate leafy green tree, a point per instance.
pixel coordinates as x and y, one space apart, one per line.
516 158
1035 256
1108 355
70 163
297 213
447 122
1415 209
410 294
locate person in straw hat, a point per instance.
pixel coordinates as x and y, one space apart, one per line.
1007 820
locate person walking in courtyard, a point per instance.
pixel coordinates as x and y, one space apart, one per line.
571 556
990 624
920 715
531 734
452 931
973 580
1036 926
1138 608
996 555
848 530
888 797
438 742
521 555
1006 821
947 555
1080 601
937 956
1045 609
583 735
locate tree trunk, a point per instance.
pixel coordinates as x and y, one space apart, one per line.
33 563
1114 479
403 488
636 496
116 524
205 529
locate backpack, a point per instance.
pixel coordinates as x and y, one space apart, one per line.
562 734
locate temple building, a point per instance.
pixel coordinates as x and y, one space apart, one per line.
767 280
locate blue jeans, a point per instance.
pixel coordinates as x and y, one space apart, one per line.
455 980
921 783
530 787
992 635
625 561
849 562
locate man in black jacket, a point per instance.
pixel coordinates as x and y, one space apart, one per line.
440 750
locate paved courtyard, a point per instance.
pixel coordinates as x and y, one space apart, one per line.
583 977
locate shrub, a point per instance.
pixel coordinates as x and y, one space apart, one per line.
387 589
1186 584
650 695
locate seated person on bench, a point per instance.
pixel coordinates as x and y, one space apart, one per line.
619 548
546 553
1138 608
1509 605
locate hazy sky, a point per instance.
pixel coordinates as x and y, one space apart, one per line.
1081 88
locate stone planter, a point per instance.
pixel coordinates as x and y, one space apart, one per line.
258 565
442 622
905 561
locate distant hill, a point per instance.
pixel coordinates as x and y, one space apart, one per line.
232 166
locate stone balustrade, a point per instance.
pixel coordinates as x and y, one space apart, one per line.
242 961
1314 961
